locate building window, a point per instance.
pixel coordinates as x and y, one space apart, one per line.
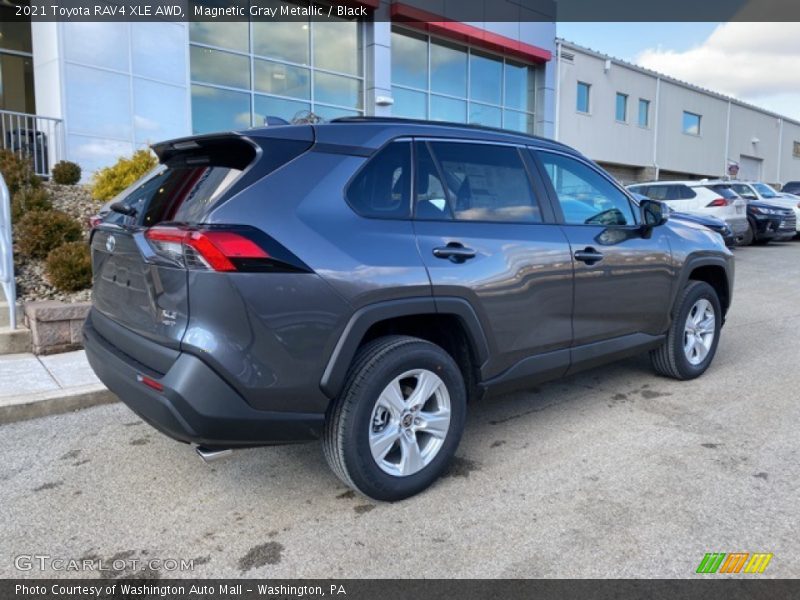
243 72
16 64
584 90
622 107
644 112
796 150
691 123
442 81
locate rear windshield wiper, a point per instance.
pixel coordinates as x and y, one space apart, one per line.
123 209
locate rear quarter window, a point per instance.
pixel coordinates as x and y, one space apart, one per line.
382 188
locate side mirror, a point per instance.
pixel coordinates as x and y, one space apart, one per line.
653 213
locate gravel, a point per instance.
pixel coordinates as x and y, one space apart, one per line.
32 283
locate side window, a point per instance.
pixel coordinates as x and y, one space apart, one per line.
382 188
686 193
486 182
585 196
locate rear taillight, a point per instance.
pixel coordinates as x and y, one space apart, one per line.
717 202
94 221
221 249
203 249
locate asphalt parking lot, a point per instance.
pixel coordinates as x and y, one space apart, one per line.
613 473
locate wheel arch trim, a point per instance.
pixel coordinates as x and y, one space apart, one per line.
341 357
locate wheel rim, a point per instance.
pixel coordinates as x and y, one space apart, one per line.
699 331
409 423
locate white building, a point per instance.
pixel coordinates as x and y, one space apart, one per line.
643 125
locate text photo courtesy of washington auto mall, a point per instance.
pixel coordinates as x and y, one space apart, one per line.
399 299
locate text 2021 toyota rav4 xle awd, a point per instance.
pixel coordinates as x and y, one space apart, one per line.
361 280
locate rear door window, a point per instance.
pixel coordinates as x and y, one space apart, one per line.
481 182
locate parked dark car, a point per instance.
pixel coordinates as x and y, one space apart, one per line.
361 280
766 221
713 223
791 187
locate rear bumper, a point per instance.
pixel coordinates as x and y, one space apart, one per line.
195 405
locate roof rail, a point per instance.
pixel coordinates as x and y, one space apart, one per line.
403 120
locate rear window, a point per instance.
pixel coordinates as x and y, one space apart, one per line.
724 190
195 176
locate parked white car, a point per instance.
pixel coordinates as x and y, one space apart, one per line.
756 190
694 197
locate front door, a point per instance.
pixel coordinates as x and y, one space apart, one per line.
623 273
484 236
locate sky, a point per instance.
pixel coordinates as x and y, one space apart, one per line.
758 63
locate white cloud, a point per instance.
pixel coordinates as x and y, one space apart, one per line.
755 62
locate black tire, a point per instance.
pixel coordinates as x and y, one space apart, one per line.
749 236
349 418
669 359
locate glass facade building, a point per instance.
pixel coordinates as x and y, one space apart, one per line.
119 86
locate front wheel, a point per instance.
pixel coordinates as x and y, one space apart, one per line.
693 335
399 419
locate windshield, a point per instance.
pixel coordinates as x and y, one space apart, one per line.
765 190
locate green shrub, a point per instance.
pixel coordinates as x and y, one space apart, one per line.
69 267
108 182
66 173
40 231
29 199
17 171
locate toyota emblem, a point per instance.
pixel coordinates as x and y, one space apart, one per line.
111 243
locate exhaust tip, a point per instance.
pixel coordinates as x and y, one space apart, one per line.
211 454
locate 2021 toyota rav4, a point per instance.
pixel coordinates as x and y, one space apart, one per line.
361 280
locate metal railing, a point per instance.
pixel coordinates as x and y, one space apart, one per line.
7 255
41 139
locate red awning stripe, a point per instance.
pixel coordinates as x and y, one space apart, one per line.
455 30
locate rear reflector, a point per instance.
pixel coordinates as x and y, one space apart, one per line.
150 382
717 202
210 249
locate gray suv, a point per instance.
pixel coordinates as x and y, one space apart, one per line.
362 280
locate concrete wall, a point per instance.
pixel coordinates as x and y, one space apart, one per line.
727 128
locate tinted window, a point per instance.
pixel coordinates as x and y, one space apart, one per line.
486 182
383 187
586 197
684 192
182 194
724 190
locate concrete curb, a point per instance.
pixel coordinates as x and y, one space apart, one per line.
56 402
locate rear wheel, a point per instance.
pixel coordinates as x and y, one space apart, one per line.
693 336
399 419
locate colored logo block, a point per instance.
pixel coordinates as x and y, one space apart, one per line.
735 562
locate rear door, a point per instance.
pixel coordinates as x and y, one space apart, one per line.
486 235
623 277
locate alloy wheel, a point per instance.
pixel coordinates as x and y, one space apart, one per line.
699 331
409 422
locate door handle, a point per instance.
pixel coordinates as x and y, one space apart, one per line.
455 252
589 255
